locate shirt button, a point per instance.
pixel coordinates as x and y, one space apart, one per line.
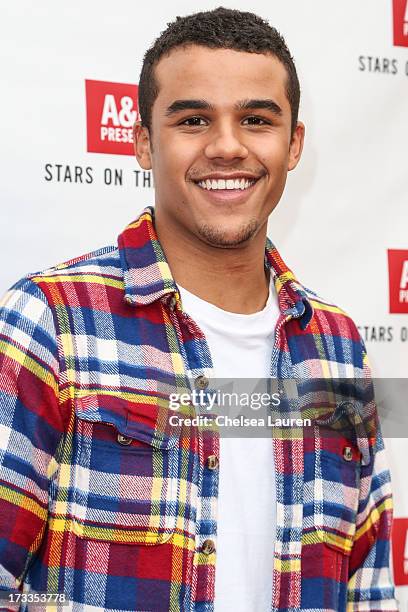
172 303
208 547
347 453
201 382
212 462
124 440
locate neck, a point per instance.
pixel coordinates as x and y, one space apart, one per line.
234 279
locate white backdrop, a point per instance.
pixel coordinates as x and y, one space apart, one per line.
343 209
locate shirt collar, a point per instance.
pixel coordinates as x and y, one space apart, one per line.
292 297
147 275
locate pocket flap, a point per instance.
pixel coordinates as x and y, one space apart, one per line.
144 417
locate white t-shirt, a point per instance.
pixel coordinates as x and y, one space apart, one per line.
241 347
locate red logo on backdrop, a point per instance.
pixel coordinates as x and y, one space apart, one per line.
398 279
111 110
400 10
400 550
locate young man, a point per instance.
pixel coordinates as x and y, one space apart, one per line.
99 499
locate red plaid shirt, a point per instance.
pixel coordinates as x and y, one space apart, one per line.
101 501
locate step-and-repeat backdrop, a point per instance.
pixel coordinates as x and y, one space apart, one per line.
70 183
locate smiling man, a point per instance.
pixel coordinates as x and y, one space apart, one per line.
220 136
100 500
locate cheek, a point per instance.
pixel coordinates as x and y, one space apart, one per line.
277 160
173 159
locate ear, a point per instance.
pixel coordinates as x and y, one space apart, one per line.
141 141
296 145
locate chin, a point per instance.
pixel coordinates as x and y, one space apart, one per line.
227 237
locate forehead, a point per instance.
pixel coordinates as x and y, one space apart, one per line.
220 76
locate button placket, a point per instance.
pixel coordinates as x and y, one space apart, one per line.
208 547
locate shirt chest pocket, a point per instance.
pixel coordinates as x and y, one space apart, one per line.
126 484
336 495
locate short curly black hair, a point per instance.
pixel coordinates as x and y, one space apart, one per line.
220 28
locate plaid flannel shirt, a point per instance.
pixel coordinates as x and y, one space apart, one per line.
99 500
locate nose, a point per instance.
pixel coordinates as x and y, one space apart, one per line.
225 144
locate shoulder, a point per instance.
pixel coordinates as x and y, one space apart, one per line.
103 261
325 310
335 328
33 297
69 281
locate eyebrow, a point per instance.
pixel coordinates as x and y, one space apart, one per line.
181 105
262 103
249 104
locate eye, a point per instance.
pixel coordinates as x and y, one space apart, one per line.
254 120
194 122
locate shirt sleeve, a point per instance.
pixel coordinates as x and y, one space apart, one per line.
370 585
30 425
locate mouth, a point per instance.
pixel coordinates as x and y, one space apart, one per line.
226 184
227 189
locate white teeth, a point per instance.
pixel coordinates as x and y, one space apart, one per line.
212 184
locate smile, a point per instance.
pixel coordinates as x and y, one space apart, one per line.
214 184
